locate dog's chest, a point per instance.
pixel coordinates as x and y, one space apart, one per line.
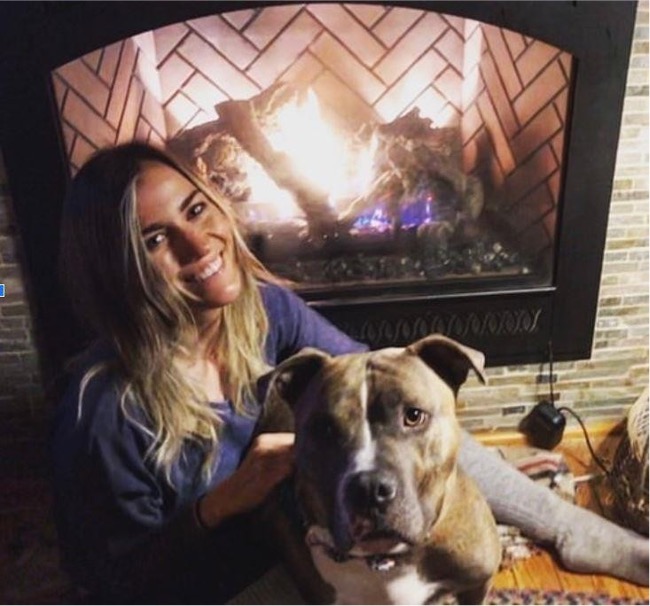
356 582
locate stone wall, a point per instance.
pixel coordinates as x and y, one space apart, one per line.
606 385
600 388
20 389
23 412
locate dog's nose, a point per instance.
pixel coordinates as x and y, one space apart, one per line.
372 489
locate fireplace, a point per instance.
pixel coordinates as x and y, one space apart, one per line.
456 177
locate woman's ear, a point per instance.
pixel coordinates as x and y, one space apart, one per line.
449 359
290 379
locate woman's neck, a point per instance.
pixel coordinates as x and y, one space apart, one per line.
204 316
200 364
207 376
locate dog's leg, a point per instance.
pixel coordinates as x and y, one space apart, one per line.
290 543
280 528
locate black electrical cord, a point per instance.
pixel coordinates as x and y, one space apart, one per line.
596 458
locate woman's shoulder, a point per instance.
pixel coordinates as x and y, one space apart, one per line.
94 368
278 298
294 325
92 402
286 311
96 353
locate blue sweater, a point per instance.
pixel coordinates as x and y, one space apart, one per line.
125 533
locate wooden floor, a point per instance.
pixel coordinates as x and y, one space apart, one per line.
541 571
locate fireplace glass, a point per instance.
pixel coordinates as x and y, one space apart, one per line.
366 149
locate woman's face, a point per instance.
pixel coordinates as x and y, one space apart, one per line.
189 240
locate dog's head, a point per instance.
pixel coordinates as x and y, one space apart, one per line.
376 438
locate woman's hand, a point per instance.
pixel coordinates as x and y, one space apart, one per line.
269 461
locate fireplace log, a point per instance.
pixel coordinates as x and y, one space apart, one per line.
217 156
414 154
240 119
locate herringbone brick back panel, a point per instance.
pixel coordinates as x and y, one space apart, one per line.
513 130
505 92
103 101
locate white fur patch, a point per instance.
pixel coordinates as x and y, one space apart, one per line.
355 582
409 587
364 459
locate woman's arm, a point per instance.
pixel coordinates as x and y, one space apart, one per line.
207 528
124 532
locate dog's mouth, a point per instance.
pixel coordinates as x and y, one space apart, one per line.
374 533
379 542
372 546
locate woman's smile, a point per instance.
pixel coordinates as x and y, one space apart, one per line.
203 270
212 269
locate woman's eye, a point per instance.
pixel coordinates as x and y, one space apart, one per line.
414 417
196 209
152 242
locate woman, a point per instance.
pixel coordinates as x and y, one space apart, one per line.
155 467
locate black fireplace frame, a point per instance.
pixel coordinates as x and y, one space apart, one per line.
510 326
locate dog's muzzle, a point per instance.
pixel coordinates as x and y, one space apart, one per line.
367 498
370 491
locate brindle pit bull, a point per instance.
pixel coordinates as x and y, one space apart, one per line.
389 516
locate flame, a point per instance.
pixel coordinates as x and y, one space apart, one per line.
361 172
342 167
324 158
264 188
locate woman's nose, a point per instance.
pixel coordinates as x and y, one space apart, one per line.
192 244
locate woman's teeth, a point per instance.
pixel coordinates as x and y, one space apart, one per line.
210 270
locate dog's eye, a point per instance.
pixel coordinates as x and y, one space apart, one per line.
414 417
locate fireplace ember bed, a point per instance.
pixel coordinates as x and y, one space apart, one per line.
412 167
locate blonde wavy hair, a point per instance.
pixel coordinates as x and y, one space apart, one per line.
118 292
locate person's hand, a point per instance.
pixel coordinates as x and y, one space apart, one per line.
268 462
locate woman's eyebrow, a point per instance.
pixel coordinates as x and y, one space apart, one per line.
184 204
188 199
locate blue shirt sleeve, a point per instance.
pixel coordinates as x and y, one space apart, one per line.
113 498
294 325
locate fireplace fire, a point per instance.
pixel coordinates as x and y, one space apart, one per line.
388 203
413 167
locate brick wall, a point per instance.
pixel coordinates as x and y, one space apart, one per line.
22 409
600 388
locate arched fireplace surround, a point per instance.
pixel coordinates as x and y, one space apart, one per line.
511 316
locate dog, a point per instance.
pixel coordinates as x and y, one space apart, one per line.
388 515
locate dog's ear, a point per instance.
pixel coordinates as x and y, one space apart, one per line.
292 376
449 359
